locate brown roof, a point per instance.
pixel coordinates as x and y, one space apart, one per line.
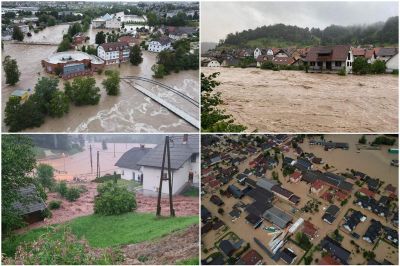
251 258
367 192
317 184
328 260
114 46
309 229
358 51
369 53
328 53
282 191
129 39
283 60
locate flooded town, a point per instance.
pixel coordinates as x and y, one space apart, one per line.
280 73
77 170
299 199
144 103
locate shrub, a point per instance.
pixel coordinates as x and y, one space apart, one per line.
45 175
342 72
361 66
378 67
267 65
54 204
73 194
62 188
113 199
221 211
107 177
61 247
395 72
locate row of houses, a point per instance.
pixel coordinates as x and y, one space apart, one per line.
319 58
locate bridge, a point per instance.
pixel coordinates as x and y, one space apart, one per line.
179 93
180 113
36 43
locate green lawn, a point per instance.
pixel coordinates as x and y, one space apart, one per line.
192 261
191 192
107 231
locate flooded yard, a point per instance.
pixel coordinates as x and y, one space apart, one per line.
131 111
295 101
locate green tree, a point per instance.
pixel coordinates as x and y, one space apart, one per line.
361 66
21 116
83 91
152 19
45 88
362 140
159 70
11 70
214 119
17 161
113 199
59 104
17 34
378 67
45 175
74 29
65 45
111 84
51 21
100 38
135 55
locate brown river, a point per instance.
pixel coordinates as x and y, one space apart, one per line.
295 101
131 111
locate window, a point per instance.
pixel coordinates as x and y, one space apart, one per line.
312 63
338 63
347 63
348 56
193 158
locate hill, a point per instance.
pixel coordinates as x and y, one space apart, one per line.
281 35
205 46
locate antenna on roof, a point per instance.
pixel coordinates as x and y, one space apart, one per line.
166 177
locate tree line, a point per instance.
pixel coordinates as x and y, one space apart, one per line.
378 34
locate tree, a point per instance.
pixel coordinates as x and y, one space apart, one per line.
362 140
83 91
59 104
159 70
378 67
361 66
64 45
214 119
111 84
74 29
17 161
45 175
100 38
113 199
17 34
51 21
135 55
20 116
45 88
11 70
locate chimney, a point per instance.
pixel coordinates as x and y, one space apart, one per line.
142 146
185 138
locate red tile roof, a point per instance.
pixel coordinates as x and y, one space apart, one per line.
114 46
317 184
367 192
251 258
358 51
296 175
328 53
214 183
328 260
283 60
309 229
341 196
390 188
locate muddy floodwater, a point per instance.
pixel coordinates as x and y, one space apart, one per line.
295 101
131 111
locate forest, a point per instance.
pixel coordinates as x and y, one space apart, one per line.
281 35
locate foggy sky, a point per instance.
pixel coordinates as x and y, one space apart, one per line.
220 18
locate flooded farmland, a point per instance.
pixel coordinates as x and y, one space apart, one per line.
131 111
295 101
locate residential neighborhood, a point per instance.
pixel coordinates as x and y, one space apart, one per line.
299 199
324 73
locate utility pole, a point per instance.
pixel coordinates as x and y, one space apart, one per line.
91 160
169 178
98 165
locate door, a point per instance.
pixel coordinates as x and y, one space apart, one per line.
133 175
190 177
329 65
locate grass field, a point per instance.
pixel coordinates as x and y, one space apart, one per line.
192 261
191 192
107 231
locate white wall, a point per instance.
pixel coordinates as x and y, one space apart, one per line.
127 174
393 63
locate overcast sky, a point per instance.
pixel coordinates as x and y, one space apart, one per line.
220 18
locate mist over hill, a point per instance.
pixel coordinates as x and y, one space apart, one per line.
281 35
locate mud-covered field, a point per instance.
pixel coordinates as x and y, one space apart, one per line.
295 101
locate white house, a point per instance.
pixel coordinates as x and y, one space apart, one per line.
258 52
213 63
24 28
114 52
127 164
392 63
113 23
159 45
185 164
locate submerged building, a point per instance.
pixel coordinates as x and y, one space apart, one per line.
72 64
